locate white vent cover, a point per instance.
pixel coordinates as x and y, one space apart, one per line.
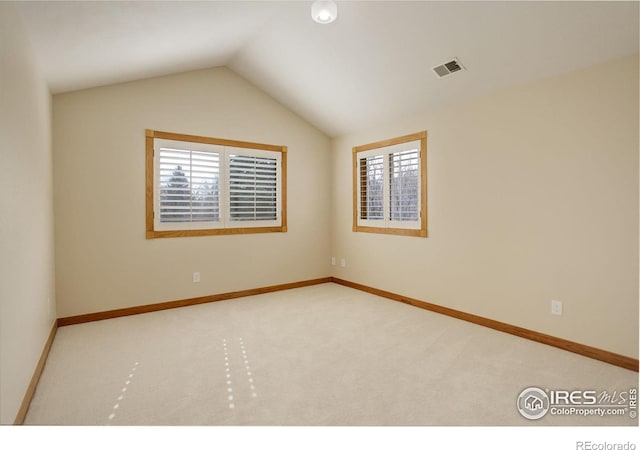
448 68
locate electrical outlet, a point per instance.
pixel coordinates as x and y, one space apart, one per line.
333 260
556 307
196 277
343 262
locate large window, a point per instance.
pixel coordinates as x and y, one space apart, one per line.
199 186
390 186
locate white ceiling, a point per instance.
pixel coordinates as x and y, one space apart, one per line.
372 65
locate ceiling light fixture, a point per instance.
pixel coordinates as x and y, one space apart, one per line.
324 11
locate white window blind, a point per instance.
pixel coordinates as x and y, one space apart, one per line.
372 188
389 193
253 183
404 176
189 185
201 186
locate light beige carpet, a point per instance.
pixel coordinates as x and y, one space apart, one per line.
320 355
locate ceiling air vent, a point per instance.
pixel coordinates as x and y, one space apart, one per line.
448 68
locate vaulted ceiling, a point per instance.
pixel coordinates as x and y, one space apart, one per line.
372 65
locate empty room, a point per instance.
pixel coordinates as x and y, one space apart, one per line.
335 214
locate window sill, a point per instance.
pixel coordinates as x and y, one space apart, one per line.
394 231
213 232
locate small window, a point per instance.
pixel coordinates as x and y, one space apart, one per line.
202 186
390 186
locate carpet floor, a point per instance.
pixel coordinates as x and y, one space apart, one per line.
319 355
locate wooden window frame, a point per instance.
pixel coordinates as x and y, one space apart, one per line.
422 231
152 233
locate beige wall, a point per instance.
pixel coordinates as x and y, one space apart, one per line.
27 301
103 260
533 196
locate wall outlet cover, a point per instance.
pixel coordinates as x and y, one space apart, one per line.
556 307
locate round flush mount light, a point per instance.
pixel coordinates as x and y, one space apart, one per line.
324 11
